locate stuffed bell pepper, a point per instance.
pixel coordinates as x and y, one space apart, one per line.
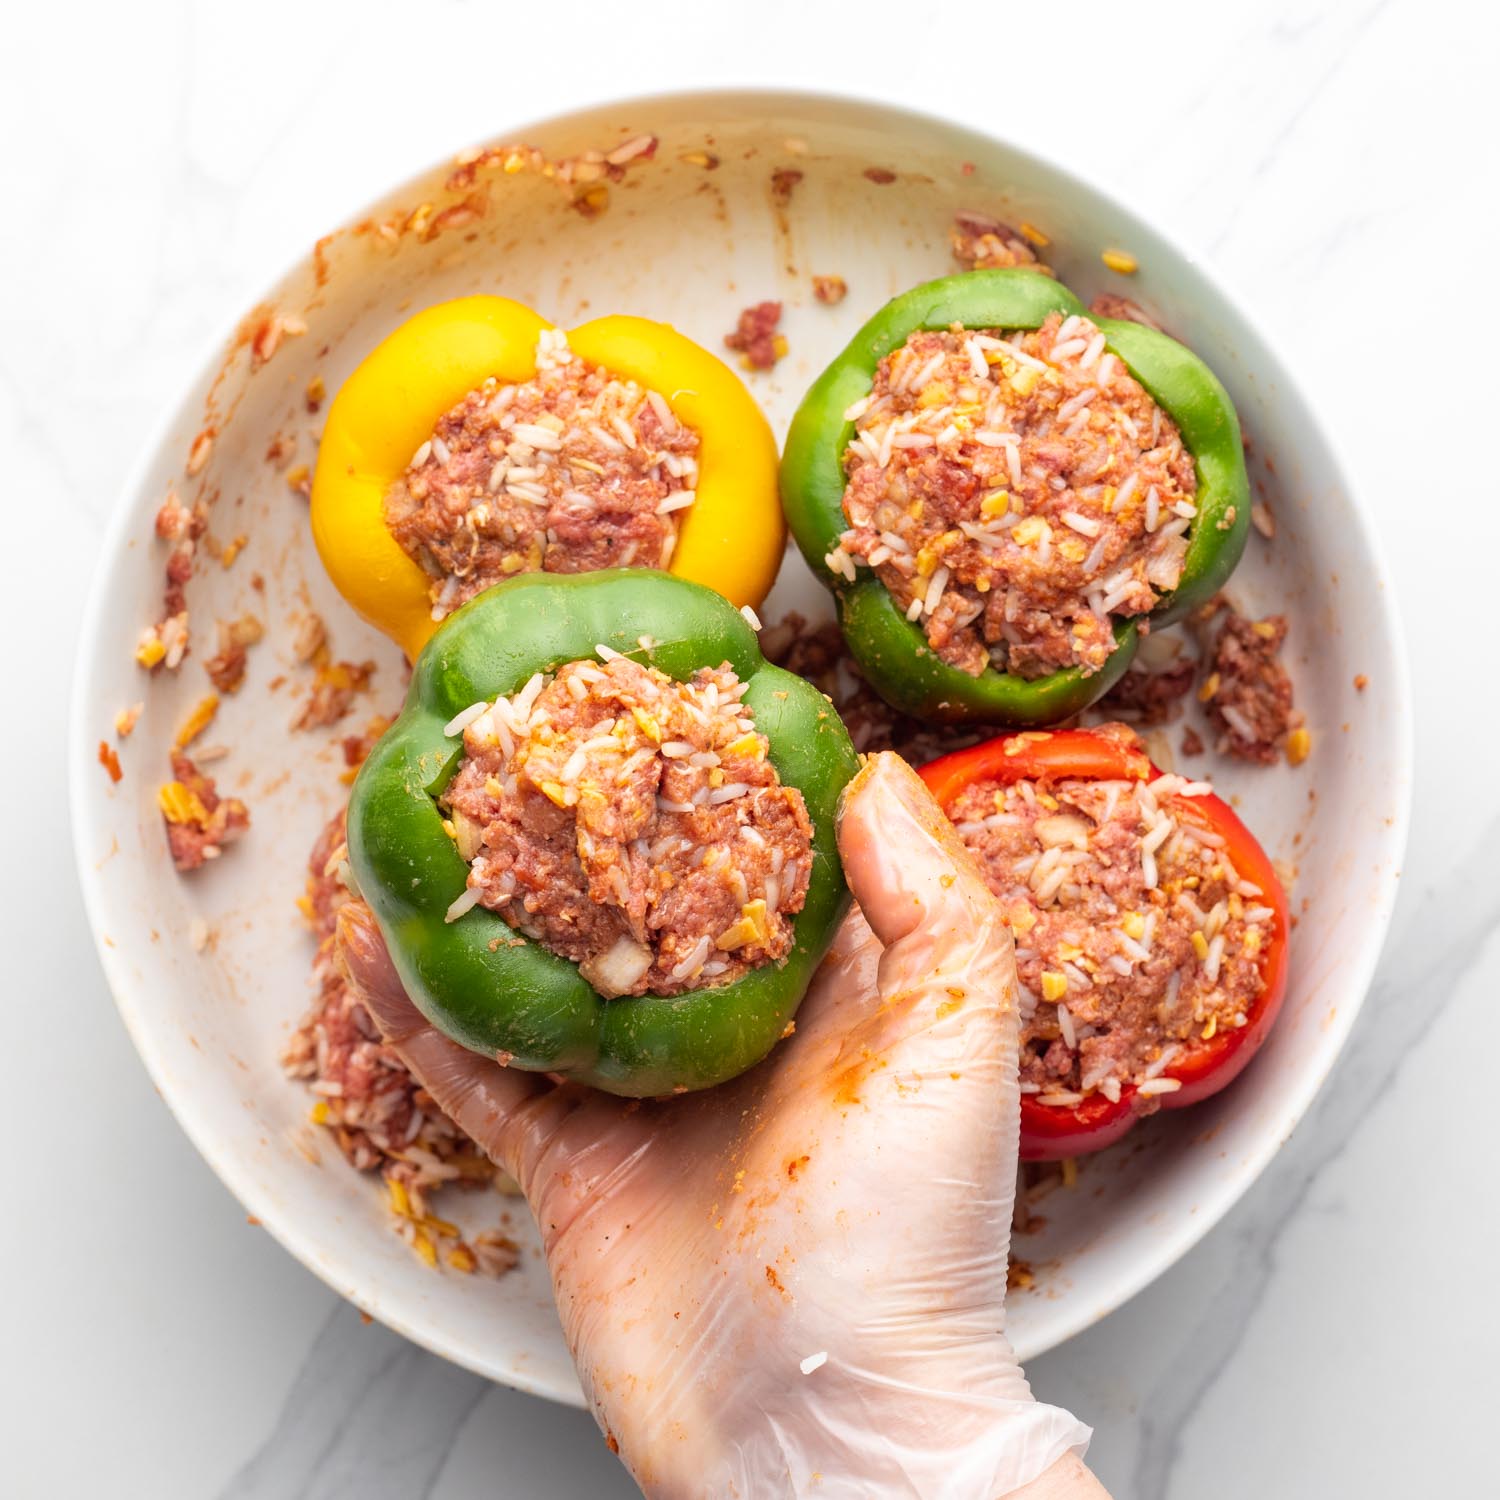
1004 492
1150 927
599 840
478 442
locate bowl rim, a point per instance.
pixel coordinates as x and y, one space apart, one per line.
1291 1105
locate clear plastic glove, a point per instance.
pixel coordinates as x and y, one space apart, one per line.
795 1283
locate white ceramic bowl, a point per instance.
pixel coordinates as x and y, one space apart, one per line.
689 245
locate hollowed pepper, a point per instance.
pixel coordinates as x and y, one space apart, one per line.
730 538
483 983
893 653
1202 1066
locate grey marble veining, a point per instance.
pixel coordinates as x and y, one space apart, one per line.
1326 1337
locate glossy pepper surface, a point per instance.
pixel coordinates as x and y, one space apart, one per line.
1201 1067
892 651
479 980
730 538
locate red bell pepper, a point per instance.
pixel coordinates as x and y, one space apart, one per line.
1049 1132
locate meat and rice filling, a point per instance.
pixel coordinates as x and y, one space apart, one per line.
1016 493
1134 935
632 824
574 470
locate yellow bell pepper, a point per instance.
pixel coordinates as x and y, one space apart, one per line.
731 538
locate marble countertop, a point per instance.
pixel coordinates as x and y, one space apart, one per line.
162 161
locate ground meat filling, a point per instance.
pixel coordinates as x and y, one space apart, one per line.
1134 936
1247 692
632 824
1016 493
572 471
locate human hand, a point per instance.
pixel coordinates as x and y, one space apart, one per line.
795 1281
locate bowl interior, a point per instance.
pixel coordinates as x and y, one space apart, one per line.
692 244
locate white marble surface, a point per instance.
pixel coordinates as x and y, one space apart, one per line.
160 162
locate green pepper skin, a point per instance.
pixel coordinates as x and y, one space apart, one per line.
482 983
892 651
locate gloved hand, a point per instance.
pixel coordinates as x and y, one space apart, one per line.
794 1283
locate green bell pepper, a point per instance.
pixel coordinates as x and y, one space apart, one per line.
892 651
479 981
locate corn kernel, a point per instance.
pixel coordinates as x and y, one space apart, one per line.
197 721
1121 261
1209 688
1200 945
1024 380
996 503
1133 925
150 651
180 804
1054 985
1298 746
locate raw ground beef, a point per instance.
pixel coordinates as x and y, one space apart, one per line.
1246 691
574 470
982 243
755 336
200 823
632 824
1133 934
1015 495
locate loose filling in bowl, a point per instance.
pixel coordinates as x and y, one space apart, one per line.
1016 493
379 1116
632 824
576 469
1134 935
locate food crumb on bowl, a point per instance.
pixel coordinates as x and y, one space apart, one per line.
110 761
1120 261
200 823
783 181
830 290
127 719
755 336
336 684
981 242
202 715
226 667
1247 692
